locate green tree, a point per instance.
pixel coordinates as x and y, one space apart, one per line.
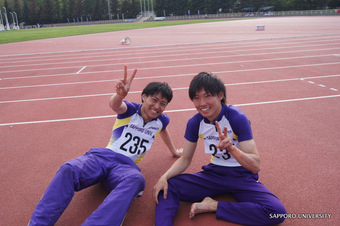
115 8
64 11
25 13
33 17
333 4
17 9
58 17
47 13
78 8
39 11
70 7
307 4
130 8
198 5
164 6
100 10
88 8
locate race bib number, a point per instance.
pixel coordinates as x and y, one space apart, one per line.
218 153
134 144
211 138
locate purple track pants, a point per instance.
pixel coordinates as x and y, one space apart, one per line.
255 201
119 175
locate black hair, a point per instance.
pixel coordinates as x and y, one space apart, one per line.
158 87
210 83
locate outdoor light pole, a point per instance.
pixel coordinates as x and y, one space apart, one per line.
141 8
144 8
152 6
1 22
16 16
109 9
13 20
7 26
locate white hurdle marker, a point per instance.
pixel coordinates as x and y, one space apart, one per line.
260 27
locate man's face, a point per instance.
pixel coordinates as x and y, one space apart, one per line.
153 106
207 105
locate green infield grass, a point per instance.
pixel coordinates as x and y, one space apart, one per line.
54 32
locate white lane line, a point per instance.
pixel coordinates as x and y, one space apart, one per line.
314 83
172 60
55 98
169 50
57 84
182 88
56 120
289 100
164 76
169 111
176 44
60 98
81 70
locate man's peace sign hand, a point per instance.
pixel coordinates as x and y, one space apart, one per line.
123 85
225 142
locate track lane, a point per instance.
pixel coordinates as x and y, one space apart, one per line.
297 137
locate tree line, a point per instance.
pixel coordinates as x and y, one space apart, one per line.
62 11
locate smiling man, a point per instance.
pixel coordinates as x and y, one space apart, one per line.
234 167
115 167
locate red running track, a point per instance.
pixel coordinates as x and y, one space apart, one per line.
54 107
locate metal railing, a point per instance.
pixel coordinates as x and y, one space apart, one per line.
256 14
152 17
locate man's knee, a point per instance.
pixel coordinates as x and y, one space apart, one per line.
277 216
69 174
137 179
66 168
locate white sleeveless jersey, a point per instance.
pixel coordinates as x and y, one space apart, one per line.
238 130
130 137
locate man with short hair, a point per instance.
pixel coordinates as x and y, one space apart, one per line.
234 167
115 167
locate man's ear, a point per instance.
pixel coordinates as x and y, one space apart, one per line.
143 98
220 95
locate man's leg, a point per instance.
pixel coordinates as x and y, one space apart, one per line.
207 205
73 175
185 187
255 201
124 183
254 206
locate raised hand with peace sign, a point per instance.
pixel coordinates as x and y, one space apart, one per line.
123 85
122 89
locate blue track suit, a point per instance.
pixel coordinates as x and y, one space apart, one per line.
223 175
114 166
